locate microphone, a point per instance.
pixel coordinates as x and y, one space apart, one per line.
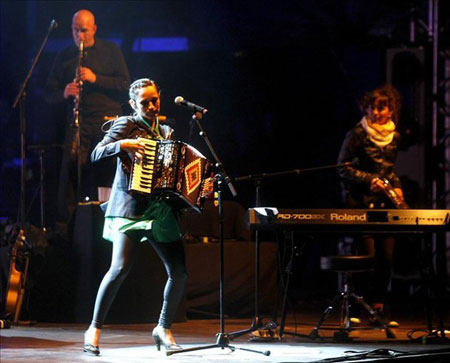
53 25
180 101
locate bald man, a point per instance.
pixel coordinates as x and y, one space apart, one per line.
105 80
83 30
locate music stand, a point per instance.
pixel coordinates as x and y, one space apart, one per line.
257 179
41 149
257 323
221 177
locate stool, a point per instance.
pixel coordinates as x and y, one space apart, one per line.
348 265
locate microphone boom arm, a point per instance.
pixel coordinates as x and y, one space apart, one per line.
289 172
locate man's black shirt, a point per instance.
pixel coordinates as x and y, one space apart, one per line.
102 98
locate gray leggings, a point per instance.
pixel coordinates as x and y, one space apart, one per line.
123 254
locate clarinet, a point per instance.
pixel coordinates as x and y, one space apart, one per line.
76 107
77 99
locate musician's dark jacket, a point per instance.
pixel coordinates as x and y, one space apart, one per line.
123 203
102 98
368 161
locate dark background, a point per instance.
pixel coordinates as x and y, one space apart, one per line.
281 80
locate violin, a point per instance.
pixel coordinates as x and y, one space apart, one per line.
395 198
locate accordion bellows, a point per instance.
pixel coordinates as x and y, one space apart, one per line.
171 170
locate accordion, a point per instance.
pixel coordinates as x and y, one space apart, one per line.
173 171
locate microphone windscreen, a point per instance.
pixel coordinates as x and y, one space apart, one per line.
178 100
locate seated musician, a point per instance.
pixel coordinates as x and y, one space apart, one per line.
131 219
371 146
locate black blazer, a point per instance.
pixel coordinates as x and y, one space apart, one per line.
123 203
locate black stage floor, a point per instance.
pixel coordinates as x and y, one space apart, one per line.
133 343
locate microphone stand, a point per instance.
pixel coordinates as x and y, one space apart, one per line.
257 323
20 101
221 178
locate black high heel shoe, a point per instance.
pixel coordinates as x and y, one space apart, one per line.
164 336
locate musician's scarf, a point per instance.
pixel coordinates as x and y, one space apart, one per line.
380 135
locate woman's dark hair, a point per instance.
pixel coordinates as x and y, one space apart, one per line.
141 83
387 95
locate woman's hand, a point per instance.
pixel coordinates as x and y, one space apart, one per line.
399 192
208 188
376 185
133 146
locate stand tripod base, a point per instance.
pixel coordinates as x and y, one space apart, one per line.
221 342
342 334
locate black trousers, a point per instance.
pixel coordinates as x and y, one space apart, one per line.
172 255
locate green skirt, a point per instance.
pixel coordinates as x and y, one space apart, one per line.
158 217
